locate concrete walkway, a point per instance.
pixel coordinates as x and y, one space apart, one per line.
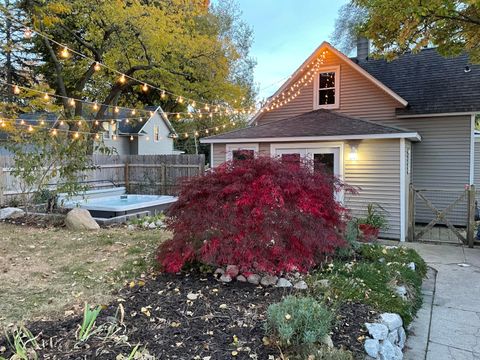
449 327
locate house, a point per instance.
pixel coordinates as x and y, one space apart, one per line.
150 136
379 126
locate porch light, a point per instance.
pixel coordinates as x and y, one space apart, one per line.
353 156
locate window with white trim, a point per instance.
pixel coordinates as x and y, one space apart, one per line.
241 152
327 89
156 133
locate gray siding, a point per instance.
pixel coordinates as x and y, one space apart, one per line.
476 177
219 154
440 161
376 175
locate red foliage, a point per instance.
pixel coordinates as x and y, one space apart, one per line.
368 233
261 214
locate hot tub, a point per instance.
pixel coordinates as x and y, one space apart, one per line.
120 205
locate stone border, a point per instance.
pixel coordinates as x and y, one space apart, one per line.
419 330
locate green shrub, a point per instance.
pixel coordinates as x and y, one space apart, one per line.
318 352
376 217
298 321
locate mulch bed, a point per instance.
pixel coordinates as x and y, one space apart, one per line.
224 318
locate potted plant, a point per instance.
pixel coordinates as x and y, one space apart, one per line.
369 227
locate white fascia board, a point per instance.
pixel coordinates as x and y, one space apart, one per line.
414 136
435 115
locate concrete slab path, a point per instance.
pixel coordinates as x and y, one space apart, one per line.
453 331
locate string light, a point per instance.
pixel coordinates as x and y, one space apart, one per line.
27 33
95 106
16 90
71 102
97 66
30 128
162 95
65 53
76 135
131 138
144 87
116 110
54 132
122 79
46 97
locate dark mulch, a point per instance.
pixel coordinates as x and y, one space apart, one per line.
159 316
39 221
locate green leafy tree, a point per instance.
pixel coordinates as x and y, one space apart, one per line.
396 26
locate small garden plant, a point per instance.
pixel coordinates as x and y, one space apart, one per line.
370 226
261 214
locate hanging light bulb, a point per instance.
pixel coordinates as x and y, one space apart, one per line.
30 128
16 90
162 95
97 136
116 110
180 100
96 122
206 131
144 87
112 122
127 121
196 133
61 123
133 112
147 138
97 67
122 79
79 123
27 33
54 132
177 116
65 53
186 135
216 128
22 122
42 122
95 106
76 135
131 138
114 137
71 102
141 119
194 104
46 97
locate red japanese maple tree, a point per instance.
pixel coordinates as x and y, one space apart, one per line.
263 215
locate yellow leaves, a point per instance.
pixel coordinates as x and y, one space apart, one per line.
146 311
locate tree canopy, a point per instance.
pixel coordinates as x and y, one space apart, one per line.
396 26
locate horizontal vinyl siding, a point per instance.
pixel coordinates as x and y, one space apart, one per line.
476 178
264 149
359 97
376 175
440 161
219 154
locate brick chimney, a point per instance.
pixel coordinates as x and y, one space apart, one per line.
363 48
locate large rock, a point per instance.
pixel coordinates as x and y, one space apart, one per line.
402 337
80 219
282 282
388 351
391 320
11 213
377 331
372 347
269 280
232 270
301 285
254 279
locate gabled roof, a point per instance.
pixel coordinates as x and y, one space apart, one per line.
136 127
430 82
319 124
326 45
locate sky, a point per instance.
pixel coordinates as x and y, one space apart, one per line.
286 32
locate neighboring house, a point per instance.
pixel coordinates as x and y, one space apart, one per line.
377 125
150 136
33 119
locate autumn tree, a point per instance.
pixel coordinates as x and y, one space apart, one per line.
396 26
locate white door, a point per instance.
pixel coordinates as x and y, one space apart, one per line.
327 158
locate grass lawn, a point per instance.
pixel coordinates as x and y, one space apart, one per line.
47 272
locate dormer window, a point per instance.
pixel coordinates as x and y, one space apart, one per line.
326 89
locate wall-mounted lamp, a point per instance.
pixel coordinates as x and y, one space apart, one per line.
353 156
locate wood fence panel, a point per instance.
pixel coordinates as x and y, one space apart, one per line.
146 174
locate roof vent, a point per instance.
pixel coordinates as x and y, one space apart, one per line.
467 69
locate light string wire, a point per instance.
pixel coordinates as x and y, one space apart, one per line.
122 76
54 130
96 105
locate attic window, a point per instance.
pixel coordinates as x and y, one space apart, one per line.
326 89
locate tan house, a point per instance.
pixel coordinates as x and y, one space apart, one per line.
377 125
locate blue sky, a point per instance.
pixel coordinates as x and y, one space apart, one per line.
286 32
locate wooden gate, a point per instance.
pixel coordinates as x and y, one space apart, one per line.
461 224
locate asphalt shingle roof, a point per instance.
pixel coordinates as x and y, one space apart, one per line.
430 82
314 123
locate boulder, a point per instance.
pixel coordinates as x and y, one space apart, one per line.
11 213
393 336
80 219
131 227
241 278
232 270
254 279
401 291
282 282
225 278
402 337
152 226
372 347
327 340
301 285
411 266
388 351
391 320
219 272
268 280
377 331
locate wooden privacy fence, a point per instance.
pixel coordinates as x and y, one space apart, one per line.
146 174
453 210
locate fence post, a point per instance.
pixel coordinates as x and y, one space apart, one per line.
411 214
471 216
127 176
163 180
2 184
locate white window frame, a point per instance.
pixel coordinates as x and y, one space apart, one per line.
316 88
236 147
156 133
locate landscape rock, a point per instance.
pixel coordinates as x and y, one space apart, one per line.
268 280
241 278
301 285
388 352
192 296
80 219
377 331
372 347
412 266
327 340
398 353
145 224
131 227
401 291
391 320
232 270
152 226
159 223
225 278
393 336
254 279
282 282
219 272
402 337
11 213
